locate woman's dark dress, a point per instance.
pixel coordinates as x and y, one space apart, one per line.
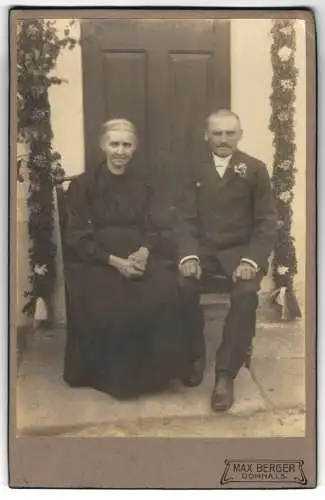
125 336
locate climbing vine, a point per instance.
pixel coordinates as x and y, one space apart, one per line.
282 125
39 45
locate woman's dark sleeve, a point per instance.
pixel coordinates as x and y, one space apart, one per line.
79 233
150 233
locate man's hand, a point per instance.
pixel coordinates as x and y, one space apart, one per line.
126 267
140 258
190 269
244 271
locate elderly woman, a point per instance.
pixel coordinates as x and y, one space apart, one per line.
125 333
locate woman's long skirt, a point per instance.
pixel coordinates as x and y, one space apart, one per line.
125 336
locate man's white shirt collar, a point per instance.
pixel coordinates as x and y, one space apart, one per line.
221 164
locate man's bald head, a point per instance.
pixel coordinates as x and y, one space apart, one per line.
221 113
223 132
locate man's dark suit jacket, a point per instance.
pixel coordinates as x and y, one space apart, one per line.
233 216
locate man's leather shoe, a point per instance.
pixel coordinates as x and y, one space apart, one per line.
196 373
223 393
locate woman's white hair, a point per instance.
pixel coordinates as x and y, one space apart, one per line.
118 124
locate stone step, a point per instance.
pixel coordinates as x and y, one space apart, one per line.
264 423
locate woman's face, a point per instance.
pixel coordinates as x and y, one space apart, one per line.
119 146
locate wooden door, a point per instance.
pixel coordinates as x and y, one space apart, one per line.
164 75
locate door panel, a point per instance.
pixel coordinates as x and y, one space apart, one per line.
190 80
119 100
165 76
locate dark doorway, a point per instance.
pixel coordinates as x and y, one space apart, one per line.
164 75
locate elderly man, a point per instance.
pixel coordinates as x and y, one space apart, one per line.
226 224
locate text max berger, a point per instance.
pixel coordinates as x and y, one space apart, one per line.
267 468
273 471
290 471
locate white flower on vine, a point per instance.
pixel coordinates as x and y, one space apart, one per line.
285 196
282 270
285 165
32 30
38 114
40 270
286 30
285 53
283 116
287 84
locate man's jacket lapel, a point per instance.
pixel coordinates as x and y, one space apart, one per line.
230 174
211 175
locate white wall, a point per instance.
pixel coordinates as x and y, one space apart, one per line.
67 125
22 244
67 106
251 74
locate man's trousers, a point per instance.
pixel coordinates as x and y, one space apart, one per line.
239 325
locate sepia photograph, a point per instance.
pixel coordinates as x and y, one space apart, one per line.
160 226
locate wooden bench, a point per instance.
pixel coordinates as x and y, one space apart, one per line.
211 284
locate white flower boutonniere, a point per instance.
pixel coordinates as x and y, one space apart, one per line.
241 170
